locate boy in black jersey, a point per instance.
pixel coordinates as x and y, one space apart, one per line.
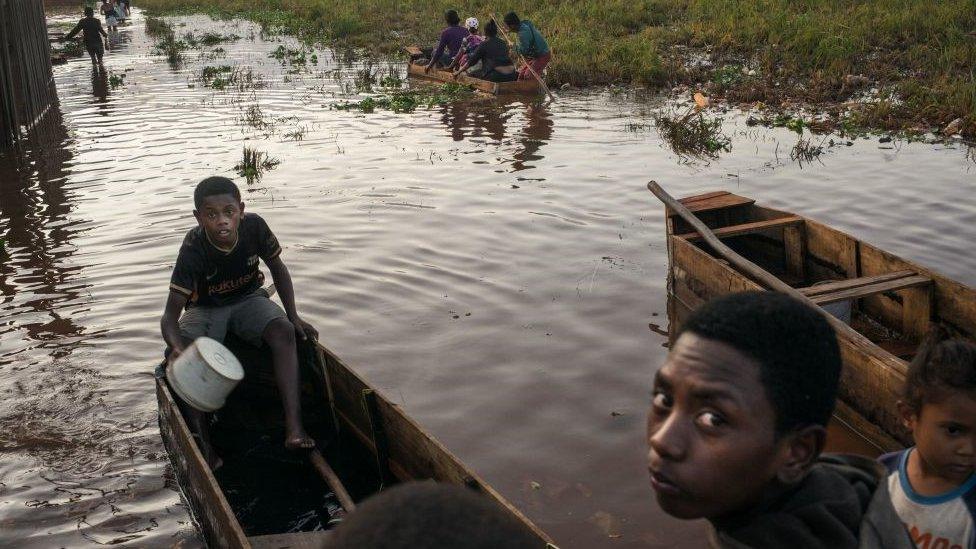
217 280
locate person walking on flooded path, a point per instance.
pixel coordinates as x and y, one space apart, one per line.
450 42
93 33
531 45
493 55
217 281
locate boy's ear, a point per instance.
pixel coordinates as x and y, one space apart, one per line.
908 415
802 448
242 206
196 215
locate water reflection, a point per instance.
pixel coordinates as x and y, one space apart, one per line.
493 121
99 81
36 274
536 133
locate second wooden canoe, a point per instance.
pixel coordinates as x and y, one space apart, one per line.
893 302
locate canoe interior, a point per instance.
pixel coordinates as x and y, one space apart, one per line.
524 87
893 302
264 494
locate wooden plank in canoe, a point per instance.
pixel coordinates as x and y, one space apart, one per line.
413 50
298 540
748 228
858 291
850 283
217 520
714 201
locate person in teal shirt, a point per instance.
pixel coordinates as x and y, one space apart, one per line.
531 45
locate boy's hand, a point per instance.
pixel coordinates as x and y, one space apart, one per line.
304 330
174 353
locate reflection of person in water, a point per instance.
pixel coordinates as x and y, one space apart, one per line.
464 119
100 88
537 130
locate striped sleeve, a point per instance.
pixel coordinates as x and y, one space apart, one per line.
184 278
268 246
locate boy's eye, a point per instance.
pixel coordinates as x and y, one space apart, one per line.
710 420
661 401
212 215
953 430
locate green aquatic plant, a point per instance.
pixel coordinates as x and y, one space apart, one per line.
692 134
406 101
254 163
211 38
116 80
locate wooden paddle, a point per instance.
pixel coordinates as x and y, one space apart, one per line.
332 479
501 27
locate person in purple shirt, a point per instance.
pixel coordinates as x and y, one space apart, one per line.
450 42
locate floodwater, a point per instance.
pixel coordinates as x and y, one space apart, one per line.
493 266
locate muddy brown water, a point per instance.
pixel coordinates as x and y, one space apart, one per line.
493 266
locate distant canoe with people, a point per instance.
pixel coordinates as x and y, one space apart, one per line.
884 305
524 87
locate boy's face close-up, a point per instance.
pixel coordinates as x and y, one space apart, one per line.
945 435
710 431
220 215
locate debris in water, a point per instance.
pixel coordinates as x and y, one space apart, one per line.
535 485
953 128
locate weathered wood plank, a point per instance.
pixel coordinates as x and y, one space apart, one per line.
830 253
848 283
916 304
867 290
794 242
298 540
206 500
714 201
748 228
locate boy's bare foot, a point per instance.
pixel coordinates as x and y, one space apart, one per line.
300 441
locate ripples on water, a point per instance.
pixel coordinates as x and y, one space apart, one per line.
492 266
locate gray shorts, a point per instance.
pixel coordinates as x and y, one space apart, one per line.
246 319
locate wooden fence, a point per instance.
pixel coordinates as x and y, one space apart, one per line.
26 85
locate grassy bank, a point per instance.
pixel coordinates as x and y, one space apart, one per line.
907 64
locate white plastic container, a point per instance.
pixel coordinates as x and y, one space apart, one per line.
205 374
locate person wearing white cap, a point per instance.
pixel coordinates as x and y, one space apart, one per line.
468 45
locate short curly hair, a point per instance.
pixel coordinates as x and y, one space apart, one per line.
940 365
794 345
213 186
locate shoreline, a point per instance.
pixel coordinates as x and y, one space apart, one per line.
835 82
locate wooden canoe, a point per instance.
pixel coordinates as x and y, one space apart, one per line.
370 442
893 302
523 87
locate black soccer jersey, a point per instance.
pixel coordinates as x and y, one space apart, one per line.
209 276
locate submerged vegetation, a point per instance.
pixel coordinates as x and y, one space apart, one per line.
692 135
404 101
254 163
892 64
